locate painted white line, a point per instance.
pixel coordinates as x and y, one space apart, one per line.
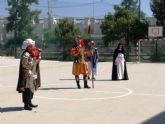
7 86
8 66
83 90
107 92
126 93
148 94
129 92
4 64
17 64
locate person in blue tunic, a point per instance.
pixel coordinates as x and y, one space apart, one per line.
92 61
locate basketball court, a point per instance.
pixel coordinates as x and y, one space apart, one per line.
140 100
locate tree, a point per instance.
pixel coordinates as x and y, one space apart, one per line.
49 36
158 9
20 19
132 6
108 29
122 25
66 32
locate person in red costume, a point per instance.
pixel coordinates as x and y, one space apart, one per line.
79 63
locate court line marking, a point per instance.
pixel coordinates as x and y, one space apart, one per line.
7 86
148 94
129 92
17 64
8 66
85 99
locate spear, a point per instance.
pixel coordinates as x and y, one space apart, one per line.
89 33
92 69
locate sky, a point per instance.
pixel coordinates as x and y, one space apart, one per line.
76 8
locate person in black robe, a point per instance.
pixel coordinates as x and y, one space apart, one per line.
119 68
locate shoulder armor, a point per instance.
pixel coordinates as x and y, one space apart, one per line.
26 54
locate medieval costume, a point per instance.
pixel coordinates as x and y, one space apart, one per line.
29 73
119 69
92 60
79 64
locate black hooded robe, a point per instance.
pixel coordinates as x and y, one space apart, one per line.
114 67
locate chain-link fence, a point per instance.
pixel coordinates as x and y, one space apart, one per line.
152 50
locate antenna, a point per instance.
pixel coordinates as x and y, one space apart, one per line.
93 9
93 16
49 15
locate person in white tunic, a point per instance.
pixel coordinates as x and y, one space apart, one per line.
119 69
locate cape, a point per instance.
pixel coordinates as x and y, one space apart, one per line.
114 67
22 80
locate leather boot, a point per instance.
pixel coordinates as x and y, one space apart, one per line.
78 82
33 106
27 107
85 84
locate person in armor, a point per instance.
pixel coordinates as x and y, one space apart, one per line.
80 65
29 73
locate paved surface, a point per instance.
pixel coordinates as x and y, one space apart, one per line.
140 100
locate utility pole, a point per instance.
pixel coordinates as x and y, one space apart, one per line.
49 15
139 8
93 9
127 34
93 17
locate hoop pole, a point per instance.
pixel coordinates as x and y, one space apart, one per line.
138 49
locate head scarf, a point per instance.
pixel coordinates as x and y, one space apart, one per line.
27 42
33 50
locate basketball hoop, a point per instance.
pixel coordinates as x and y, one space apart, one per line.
155 31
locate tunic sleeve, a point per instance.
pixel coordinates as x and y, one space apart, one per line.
27 64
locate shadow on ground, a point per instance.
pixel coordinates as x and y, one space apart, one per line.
157 119
58 88
10 109
90 79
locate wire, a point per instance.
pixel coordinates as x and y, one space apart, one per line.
98 16
68 6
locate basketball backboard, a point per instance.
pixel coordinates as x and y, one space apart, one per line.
155 31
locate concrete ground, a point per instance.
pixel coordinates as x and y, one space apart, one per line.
140 100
